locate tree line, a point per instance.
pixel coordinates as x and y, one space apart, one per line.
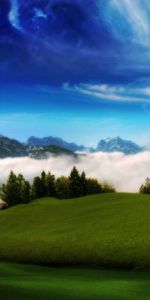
17 190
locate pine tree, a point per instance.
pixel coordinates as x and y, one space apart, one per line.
25 192
50 185
36 188
43 184
75 183
24 189
83 184
145 188
10 190
63 187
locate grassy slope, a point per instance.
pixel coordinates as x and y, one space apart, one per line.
41 283
108 230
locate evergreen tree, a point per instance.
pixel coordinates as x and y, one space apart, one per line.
75 183
83 184
20 180
36 191
25 192
10 190
50 185
63 187
145 188
16 190
24 189
43 184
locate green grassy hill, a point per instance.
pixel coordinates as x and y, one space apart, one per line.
104 230
41 283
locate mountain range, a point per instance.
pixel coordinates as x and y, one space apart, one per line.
53 141
12 148
119 145
41 148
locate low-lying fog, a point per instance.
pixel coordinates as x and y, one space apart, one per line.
126 173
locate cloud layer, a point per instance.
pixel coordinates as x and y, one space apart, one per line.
126 173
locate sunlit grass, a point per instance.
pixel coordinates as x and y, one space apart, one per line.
102 230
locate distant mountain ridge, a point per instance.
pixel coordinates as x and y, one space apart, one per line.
41 148
11 148
44 152
119 145
54 141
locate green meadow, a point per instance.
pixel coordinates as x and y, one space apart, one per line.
105 230
95 247
42 283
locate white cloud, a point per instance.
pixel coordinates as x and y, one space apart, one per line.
119 93
136 15
126 173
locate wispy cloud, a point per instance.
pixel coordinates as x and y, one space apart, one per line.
132 19
14 15
126 93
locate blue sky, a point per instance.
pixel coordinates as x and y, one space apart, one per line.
79 70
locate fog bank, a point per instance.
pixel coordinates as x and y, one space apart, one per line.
126 173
